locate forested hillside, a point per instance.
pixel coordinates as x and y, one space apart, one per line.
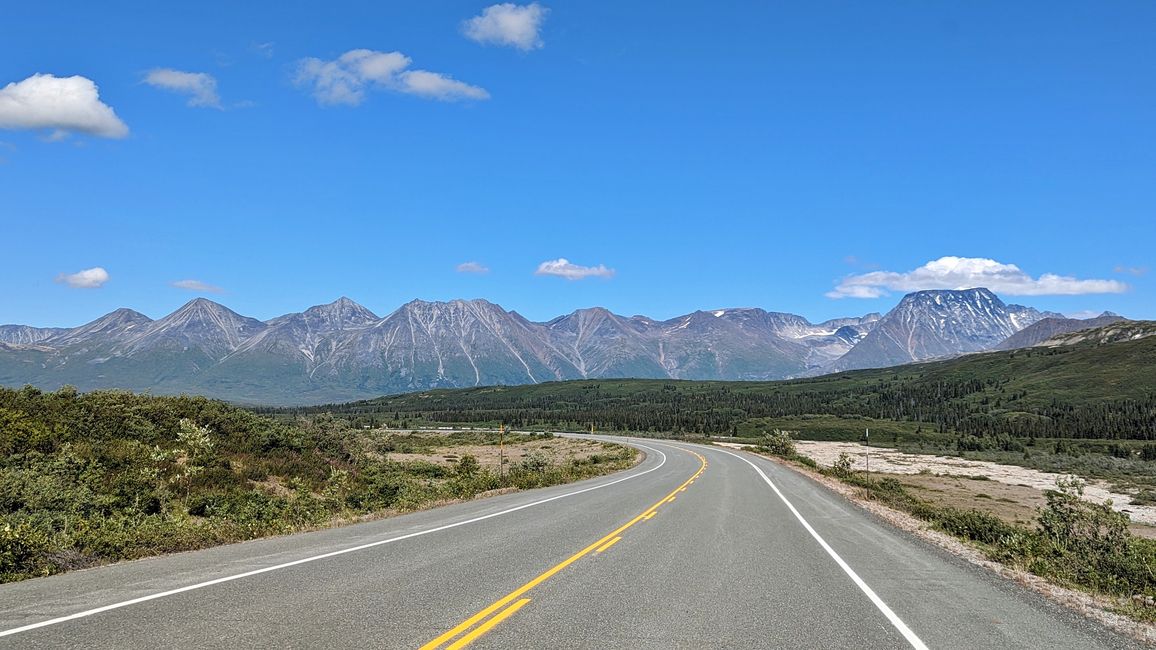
1099 392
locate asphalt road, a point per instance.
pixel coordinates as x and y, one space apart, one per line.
696 547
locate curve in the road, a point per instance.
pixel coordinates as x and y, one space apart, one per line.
322 556
747 557
515 596
868 591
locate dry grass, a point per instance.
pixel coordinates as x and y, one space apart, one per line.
556 450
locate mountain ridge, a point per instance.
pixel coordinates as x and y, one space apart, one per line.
342 350
1041 331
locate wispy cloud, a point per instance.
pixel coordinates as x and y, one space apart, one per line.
564 268
346 79
508 24
197 286
472 267
263 50
968 273
1084 314
93 278
1136 271
200 87
64 104
434 85
858 262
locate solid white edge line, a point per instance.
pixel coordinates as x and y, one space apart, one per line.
314 558
875 599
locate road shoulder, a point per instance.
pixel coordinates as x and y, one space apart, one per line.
1090 606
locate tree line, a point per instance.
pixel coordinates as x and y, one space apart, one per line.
977 407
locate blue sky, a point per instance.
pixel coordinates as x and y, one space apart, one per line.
802 157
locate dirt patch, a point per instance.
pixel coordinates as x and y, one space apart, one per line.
891 461
556 450
1014 504
272 485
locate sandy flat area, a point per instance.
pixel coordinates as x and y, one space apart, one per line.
892 461
556 451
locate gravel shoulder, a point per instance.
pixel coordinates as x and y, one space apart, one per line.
958 482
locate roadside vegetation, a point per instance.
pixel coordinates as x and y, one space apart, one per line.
92 478
1072 542
1085 409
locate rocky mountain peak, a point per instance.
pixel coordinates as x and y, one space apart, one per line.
199 324
938 323
113 327
342 313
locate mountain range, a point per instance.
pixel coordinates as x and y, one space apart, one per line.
1045 330
343 351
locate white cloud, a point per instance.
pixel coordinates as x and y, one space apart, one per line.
63 104
435 85
198 286
93 278
345 79
472 267
199 86
969 273
563 268
508 24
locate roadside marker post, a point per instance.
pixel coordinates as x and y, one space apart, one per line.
867 439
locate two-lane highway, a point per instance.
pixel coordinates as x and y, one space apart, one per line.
695 547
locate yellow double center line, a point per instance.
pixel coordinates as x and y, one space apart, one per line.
515 596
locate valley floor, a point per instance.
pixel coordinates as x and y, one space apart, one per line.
938 478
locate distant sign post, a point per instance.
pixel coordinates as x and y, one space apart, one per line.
502 449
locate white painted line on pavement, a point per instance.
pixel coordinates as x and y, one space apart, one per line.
314 558
875 599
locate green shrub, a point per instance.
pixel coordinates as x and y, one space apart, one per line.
1145 497
806 460
778 443
24 552
535 462
467 466
842 466
1089 544
974 525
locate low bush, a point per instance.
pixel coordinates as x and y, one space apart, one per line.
1075 542
778 443
1145 497
110 475
841 468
